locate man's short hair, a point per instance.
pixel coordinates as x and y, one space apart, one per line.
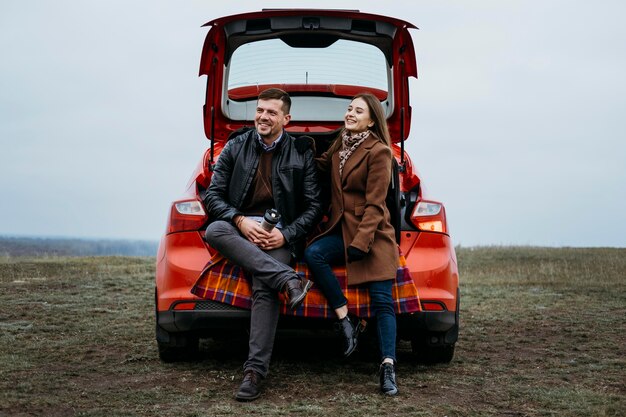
277 94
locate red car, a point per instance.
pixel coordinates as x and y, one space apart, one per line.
322 58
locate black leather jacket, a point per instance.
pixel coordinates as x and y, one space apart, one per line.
295 185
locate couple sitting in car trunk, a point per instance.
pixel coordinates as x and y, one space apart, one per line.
266 168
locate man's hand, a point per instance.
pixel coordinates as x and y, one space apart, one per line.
253 231
275 241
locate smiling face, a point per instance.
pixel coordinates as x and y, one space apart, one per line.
270 119
357 118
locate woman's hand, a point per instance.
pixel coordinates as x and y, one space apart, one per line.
355 254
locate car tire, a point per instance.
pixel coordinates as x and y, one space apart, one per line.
428 354
181 347
170 354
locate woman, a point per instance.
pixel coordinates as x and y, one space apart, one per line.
359 232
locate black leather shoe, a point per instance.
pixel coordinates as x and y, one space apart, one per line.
350 333
296 290
387 375
250 387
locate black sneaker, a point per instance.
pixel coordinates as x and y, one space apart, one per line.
387 375
250 387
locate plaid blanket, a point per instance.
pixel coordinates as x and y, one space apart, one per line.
227 283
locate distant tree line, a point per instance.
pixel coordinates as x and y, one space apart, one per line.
26 246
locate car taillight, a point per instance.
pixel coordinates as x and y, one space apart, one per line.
186 215
429 216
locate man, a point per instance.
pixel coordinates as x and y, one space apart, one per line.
256 171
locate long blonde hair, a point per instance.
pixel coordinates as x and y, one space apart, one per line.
377 114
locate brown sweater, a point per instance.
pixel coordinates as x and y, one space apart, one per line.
260 196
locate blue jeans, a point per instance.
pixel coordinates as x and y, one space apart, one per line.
320 256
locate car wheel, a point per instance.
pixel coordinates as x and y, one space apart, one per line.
431 354
178 347
171 354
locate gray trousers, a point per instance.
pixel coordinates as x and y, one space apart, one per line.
270 271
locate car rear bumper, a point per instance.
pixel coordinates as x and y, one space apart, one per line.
211 318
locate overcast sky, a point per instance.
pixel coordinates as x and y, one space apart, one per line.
519 110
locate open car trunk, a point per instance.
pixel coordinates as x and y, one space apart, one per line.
322 58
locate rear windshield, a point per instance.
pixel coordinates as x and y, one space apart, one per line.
320 81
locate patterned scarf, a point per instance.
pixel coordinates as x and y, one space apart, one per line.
350 143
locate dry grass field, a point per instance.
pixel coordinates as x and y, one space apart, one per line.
542 334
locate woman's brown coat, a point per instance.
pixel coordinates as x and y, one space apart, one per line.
358 202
